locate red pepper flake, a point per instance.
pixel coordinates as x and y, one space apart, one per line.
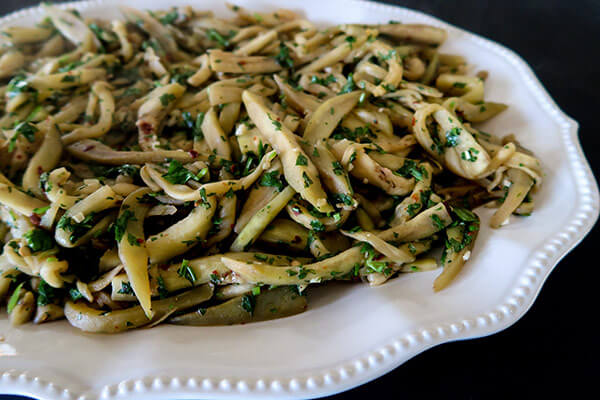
414 121
40 170
146 127
88 148
140 240
35 219
193 153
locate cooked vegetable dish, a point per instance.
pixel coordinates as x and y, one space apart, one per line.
177 167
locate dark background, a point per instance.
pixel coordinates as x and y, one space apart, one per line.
552 351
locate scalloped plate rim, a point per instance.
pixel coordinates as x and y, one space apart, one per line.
321 383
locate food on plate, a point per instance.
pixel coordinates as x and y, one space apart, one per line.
177 167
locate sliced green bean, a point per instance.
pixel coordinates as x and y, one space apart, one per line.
269 304
89 319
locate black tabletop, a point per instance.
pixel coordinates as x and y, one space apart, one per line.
552 351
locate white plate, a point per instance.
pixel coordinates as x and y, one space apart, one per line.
351 333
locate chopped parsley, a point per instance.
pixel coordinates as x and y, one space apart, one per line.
25 129
248 303
46 293
112 172
283 57
275 123
273 178
343 198
437 145
388 88
166 98
377 266
133 241
412 249
352 158
77 229
75 294
411 168
413 208
337 168
437 222
323 81
452 137
178 174
317 225
261 257
181 76
125 288
215 36
350 39
186 271
360 133
303 272
194 125
469 155
301 160
307 180
162 289
130 91
41 210
18 84
384 57
169 18
39 240
121 224
349 86
204 198
215 279
69 78
230 193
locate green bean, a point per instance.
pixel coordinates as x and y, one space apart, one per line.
48 312
89 319
458 250
23 310
422 226
270 304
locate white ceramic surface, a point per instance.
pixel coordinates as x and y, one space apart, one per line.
351 333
